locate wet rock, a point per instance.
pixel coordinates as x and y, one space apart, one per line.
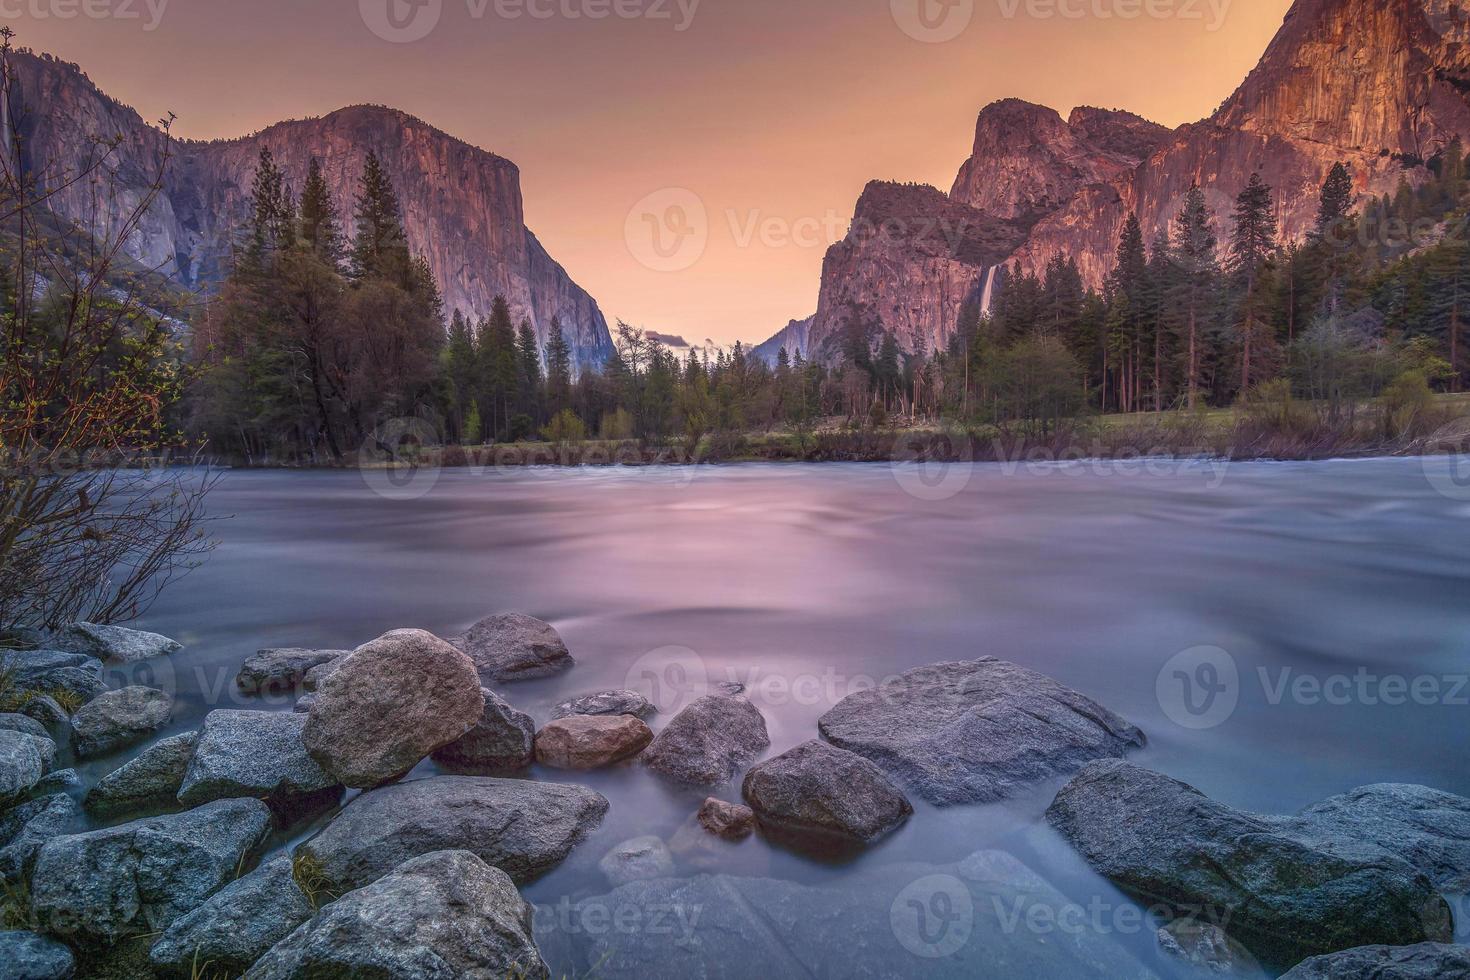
60 781
607 703
147 784
729 821
51 672
1281 891
303 704
281 670
503 740
818 789
314 677
1204 947
118 719
695 849
708 741
113 644
238 924
47 710
976 732
27 956
257 754
24 759
95 888
1425 961
25 829
389 705
515 647
591 741
21 723
445 914
637 860
523 828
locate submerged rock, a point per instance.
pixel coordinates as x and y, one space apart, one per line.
503 740
281 670
27 956
442 915
389 705
238 924
147 784
255 754
637 860
95 888
515 647
976 731
25 829
114 643
1424 961
591 741
607 703
709 740
1206 948
118 719
728 821
1280 889
819 790
523 828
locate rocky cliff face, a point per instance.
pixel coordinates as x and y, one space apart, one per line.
1382 85
794 337
461 205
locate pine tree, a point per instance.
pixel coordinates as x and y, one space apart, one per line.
1337 200
1194 252
528 351
321 229
558 369
269 210
379 249
1251 246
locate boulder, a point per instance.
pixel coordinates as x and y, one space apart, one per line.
976 732
818 794
281 670
1424 961
118 719
391 704
27 956
25 829
236 925
113 644
147 784
95 888
24 759
58 781
709 740
637 860
21 723
728 821
515 647
503 741
76 676
521 827
695 849
607 703
259 754
1205 948
314 677
1281 891
441 915
591 741
45 709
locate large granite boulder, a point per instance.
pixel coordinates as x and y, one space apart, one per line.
95 888
113 644
118 719
76 676
147 784
637 860
977 731
10 722
586 742
818 795
24 759
607 703
442 915
259 754
1423 961
281 670
27 956
503 740
1277 885
26 828
236 925
521 827
515 647
389 705
709 740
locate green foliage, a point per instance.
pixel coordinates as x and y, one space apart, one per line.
565 428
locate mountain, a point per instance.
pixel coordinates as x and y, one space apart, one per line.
793 337
1382 85
462 208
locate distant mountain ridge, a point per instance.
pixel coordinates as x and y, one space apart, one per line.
462 206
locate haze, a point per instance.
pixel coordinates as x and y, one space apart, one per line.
775 113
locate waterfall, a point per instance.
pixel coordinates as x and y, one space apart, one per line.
987 293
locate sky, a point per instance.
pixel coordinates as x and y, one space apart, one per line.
752 124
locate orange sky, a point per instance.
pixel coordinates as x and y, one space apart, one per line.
774 113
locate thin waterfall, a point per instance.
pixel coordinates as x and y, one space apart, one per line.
987 294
